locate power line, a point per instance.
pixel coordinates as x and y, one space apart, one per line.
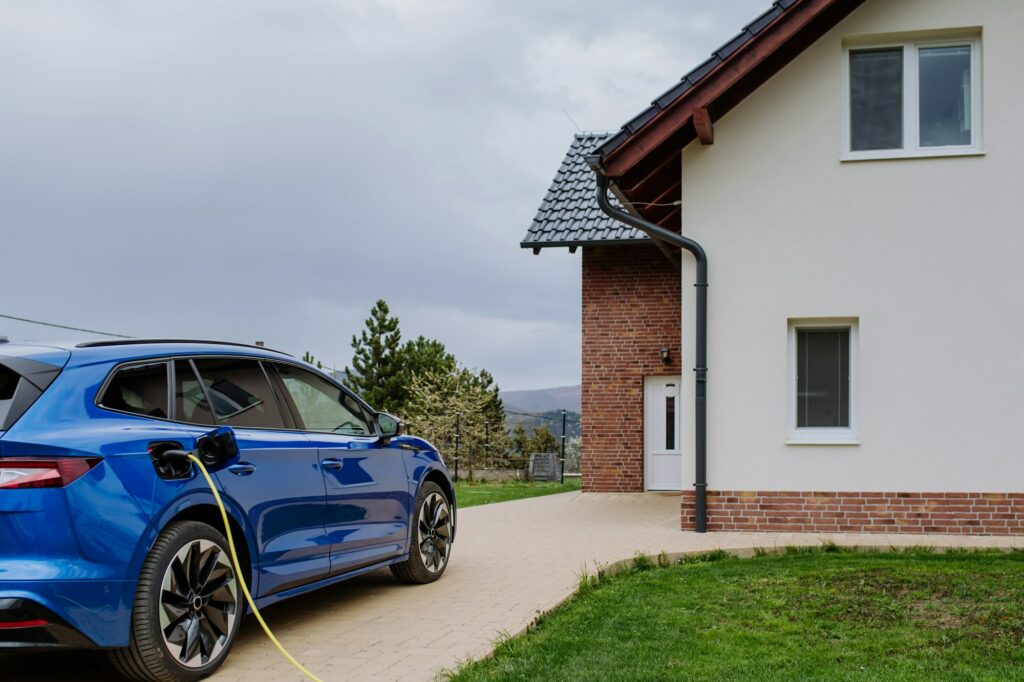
64 326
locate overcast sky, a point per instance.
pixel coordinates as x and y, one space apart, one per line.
268 169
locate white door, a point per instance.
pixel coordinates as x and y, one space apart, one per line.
663 458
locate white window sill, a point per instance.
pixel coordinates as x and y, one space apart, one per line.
895 154
823 438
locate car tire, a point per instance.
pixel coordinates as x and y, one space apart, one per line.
188 607
431 537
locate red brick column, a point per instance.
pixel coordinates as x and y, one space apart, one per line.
861 512
631 310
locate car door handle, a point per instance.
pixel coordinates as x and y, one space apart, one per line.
242 469
332 464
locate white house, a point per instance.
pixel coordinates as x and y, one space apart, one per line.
853 170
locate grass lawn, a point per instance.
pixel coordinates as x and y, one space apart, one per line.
808 615
471 494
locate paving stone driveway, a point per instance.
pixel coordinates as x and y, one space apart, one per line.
511 561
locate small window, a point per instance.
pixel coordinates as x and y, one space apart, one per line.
822 378
239 393
670 422
913 99
138 389
322 406
876 99
822 381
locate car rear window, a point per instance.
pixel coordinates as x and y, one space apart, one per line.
8 383
22 381
138 389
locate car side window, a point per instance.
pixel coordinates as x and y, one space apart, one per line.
138 389
322 406
240 392
189 398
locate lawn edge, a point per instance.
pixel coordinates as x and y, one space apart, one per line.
643 561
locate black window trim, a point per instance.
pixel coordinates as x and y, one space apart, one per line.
97 401
285 411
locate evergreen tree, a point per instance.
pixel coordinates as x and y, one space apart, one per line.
424 355
378 363
543 440
519 441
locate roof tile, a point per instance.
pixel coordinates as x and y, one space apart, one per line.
569 214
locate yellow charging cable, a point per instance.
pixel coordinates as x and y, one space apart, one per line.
239 574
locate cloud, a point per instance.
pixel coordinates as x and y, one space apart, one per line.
268 169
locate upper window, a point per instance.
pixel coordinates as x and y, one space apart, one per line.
822 379
138 389
239 393
323 406
913 99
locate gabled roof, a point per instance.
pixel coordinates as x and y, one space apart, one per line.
569 215
642 159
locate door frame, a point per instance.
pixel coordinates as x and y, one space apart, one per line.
654 383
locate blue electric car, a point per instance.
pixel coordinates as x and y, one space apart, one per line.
110 539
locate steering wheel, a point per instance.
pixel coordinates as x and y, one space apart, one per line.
349 426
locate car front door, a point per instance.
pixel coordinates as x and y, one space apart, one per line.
367 485
277 478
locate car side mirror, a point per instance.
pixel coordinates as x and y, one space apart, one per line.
389 426
217 446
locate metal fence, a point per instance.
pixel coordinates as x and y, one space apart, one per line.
471 444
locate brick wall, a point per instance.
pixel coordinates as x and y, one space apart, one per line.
631 310
838 512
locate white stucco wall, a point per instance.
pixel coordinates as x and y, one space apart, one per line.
927 253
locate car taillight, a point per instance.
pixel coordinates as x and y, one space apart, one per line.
19 624
51 472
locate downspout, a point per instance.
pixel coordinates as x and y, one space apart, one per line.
659 233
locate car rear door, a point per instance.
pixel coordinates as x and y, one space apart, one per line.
277 479
368 499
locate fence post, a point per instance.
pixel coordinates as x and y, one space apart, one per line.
561 470
458 442
487 444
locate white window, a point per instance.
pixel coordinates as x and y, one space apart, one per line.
822 403
912 99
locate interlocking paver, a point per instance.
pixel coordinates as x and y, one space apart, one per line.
511 561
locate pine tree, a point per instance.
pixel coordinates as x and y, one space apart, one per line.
542 440
424 355
378 363
519 441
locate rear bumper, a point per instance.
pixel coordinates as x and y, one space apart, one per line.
24 624
65 613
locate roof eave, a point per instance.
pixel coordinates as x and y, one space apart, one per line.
638 158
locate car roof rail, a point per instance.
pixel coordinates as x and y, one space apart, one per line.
137 342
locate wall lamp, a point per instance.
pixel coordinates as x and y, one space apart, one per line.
666 356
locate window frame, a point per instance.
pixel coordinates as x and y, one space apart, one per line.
831 435
102 390
287 423
912 148
289 402
269 368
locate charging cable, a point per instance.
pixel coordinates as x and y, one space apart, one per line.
238 571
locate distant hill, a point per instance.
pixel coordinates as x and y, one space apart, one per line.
544 399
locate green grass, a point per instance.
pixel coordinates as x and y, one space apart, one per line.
471 494
825 614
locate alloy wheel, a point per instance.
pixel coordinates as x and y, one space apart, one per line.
435 532
198 603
